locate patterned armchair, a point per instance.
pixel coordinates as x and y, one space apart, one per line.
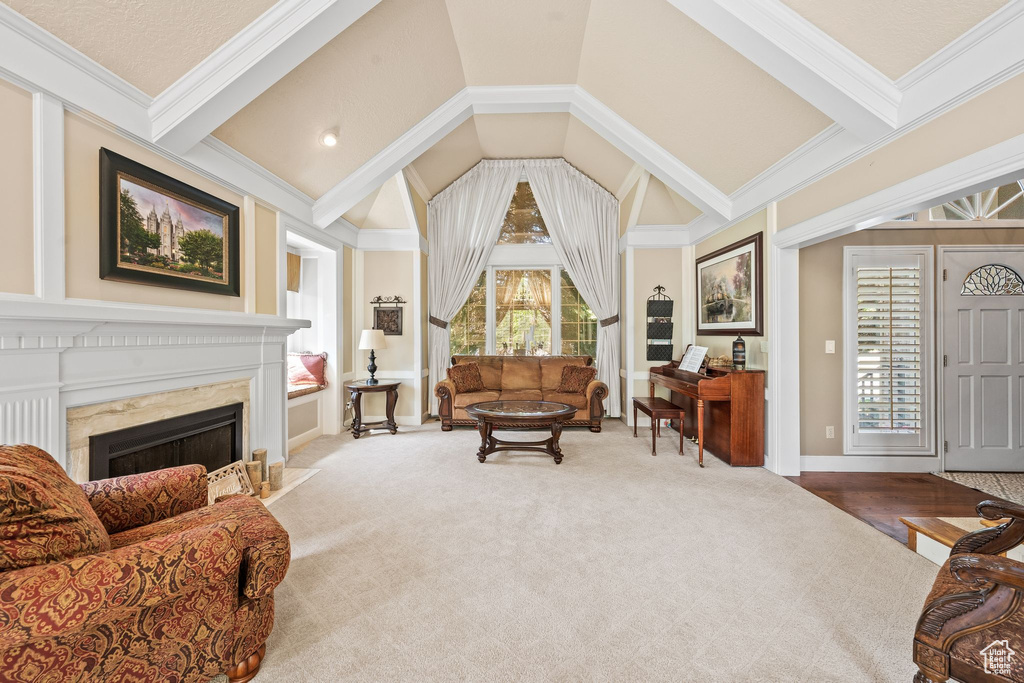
131 578
972 625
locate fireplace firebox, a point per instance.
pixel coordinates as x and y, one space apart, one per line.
212 438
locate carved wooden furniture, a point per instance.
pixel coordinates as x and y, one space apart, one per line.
733 400
659 409
975 610
356 391
520 415
131 578
521 378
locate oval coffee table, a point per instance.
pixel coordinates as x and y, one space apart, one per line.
519 415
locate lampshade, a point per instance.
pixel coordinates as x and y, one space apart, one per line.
372 339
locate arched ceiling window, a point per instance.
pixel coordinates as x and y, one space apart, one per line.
998 203
1005 202
523 223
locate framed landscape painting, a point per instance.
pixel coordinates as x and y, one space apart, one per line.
729 295
156 230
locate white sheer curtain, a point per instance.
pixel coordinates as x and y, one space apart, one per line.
583 221
463 222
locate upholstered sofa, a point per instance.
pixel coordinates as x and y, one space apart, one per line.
132 578
972 624
529 378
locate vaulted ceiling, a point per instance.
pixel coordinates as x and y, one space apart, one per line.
678 89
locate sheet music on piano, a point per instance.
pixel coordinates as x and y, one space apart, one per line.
693 358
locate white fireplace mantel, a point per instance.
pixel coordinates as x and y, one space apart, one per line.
59 355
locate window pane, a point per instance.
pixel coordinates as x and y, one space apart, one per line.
469 326
997 203
522 312
523 223
889 350
579 324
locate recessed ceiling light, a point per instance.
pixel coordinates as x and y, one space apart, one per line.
329 138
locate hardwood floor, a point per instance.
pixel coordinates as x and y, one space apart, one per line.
881 498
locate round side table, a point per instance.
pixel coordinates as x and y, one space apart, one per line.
356 391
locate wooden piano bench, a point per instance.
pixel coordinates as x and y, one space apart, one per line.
658 409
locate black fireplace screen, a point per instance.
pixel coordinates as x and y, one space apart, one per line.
212 438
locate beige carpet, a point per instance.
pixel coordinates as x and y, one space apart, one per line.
414 562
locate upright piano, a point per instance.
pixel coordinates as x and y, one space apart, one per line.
724 409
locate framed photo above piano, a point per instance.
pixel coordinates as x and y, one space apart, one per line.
730 297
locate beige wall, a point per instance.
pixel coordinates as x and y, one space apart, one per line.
652 267
390 273
82 142
16 271
266 260
719 345
821 318
988 119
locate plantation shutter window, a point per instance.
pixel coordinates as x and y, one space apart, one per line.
888 351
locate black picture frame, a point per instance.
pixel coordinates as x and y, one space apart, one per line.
115 263
751 245
388 319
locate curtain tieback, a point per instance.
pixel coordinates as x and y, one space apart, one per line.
610 321
438 322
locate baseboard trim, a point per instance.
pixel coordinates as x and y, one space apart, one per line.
869 463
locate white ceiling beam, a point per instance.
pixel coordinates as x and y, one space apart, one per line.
632 176
805 59
984 57
245 66
416 182
406 194
520 100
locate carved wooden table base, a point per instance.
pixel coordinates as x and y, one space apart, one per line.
490 444
520 415
356 391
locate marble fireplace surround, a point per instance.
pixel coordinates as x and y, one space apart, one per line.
70 370
109 416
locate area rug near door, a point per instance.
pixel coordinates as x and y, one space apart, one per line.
1006 485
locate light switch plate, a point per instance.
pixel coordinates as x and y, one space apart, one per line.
764 347
830 346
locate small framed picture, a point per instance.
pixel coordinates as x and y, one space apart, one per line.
729 295
388 319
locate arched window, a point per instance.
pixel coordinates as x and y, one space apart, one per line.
524 303
992 280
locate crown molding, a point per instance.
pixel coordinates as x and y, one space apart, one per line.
37 60
655 237
520 100
983 58
653 157
246 65
995 165
391 240
805 59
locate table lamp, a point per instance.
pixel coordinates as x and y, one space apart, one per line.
370 340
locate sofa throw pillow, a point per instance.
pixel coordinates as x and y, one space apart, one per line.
44 516
466 377
575 379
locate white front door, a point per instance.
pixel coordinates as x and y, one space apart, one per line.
983 358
